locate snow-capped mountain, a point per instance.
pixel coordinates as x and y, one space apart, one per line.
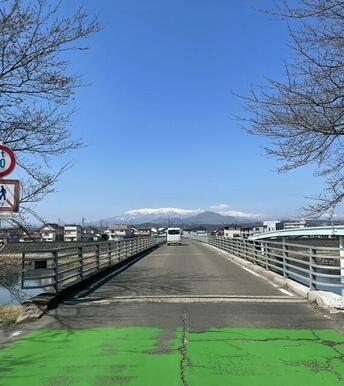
177 216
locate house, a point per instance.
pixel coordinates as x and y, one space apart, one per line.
258 229
72 232
231 231
51 232
139 232
118 231
272 226
30 236
246 232
158 231
295 224
91 234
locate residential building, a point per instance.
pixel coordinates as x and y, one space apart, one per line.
118 231
272 226
142 232
29 237
51 232
159 231
72 232
91 234
295 224
258 229
231 231
246 232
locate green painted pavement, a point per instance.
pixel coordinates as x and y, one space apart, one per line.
150 356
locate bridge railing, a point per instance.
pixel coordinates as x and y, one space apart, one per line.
53 270
317 267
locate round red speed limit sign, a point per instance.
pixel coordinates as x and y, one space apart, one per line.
7 161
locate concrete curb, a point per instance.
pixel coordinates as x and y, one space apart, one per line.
34 308
325 300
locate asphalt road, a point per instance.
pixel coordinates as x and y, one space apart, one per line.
187 314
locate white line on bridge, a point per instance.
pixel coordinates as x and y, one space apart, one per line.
193 299
286 292
252 272
178 254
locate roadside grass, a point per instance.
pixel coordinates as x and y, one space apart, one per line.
9 313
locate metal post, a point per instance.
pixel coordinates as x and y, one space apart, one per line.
341 254
56 272
121 249
285 258
109 253
243 241
268 255
118 250
125 249
97 256
262 253
312 271
81 263
23 267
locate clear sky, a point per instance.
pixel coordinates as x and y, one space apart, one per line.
157 117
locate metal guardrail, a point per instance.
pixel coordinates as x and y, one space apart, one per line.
319 268
57 269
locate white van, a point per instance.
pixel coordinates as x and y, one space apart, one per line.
174 236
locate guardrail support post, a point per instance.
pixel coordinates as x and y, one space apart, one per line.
56 271
97 257
81 263
312 272
285 258
110 254
244 249
267 254
341 254
23 267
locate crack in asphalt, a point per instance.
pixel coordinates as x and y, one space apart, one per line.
314 365
329 361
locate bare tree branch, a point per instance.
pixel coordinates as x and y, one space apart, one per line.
36 89
303 115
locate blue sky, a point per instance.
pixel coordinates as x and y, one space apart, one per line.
157 118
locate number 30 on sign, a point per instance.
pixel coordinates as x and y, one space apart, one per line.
7 161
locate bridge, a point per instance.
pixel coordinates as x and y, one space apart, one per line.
327 231
196 314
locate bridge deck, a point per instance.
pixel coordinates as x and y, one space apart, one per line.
186 315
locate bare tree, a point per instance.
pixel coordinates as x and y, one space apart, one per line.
36 88
303 115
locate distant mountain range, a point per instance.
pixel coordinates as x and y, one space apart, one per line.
205 217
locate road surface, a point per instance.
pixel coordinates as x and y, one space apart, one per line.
181 315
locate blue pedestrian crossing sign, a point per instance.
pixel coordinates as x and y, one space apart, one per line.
9 195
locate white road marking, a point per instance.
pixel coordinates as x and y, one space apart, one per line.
194 299
252 272
16 333
286 292
179 254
